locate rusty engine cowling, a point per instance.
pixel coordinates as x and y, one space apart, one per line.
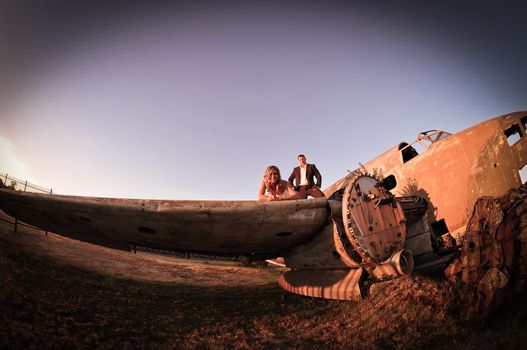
365 236
493 256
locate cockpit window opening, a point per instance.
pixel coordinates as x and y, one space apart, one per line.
432 136
389 182
422 144
407 151
513 134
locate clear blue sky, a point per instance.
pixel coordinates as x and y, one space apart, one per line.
193 102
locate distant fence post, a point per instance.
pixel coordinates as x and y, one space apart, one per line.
27 187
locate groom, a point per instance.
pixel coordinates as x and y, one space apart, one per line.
304 175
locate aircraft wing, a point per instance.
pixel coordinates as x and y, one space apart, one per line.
213 227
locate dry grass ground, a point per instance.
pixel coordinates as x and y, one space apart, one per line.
56 292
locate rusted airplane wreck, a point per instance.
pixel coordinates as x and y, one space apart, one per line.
460 202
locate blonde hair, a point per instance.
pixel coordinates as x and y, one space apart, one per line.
279 187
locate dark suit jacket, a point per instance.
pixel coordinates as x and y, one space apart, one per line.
311 172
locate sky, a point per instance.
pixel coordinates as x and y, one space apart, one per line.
193 100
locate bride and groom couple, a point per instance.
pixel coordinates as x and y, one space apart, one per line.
299 185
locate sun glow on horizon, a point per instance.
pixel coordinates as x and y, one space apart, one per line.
10 163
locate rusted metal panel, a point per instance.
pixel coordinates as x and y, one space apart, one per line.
373 220
493 254
457 170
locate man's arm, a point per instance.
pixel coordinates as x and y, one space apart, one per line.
291 178
318 176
